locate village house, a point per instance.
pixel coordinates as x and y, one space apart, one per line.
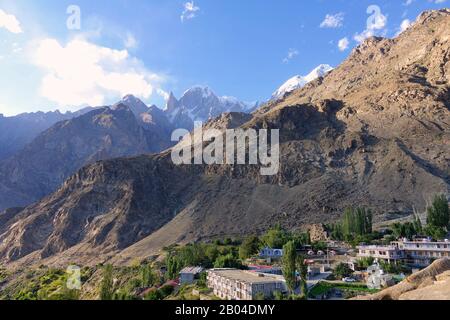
233 284
190 274
269 253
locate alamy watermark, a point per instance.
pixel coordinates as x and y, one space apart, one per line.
74 20
73 277
232 147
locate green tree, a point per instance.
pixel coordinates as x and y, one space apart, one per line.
364 263
227 261
173 266
301 239
355 222
438 214
107 284
437 233
276 238
249 247
303 272
289 265
407 229
342 270
148 276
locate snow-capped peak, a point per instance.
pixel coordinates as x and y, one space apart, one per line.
318 72
204 90
298 81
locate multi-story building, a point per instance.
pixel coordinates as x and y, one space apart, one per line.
422 253
233 284
416 253
390 253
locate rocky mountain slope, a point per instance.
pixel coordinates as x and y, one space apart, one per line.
374 132
60 151
18 131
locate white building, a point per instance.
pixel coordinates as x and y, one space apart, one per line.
233 284
391 253
190 274
415 253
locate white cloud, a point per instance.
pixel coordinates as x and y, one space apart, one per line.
437 1
376 24
404 25
408 2
6 111
333 21
292 53
10 22
130 41
190 11
82 73
164 94
343 44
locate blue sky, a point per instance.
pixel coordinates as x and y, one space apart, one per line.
245 49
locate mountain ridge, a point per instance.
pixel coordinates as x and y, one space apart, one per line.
374 133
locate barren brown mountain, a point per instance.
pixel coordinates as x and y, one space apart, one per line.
44 164
374 132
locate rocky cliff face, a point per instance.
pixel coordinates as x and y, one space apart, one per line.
17 131
43 165
374 132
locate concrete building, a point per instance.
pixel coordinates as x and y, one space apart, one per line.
233 284
423 253
190 274
415 253
390 253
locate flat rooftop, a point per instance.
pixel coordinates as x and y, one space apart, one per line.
246 276
193 270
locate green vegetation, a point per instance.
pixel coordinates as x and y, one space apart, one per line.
438 218
290 266
348 289
159 294
228 261
218 255
294 264
364 263
303 273
438 214
107 284
408 229
276 237
342 270
39 284
249 247
148 275
355 224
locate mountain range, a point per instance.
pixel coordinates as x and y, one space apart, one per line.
373 132
36 162
18 131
